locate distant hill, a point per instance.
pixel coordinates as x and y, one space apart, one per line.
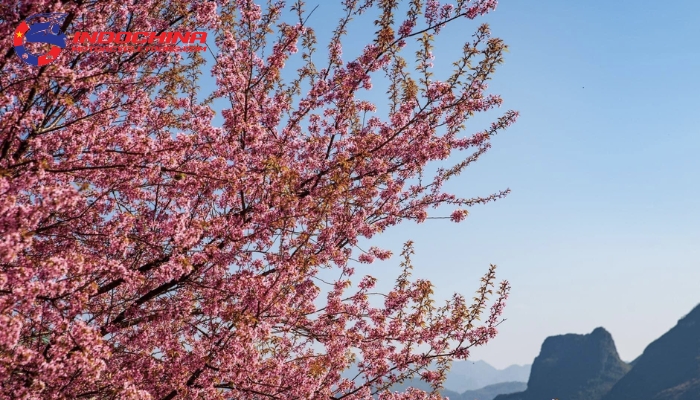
472 375
491 391
466 375
422 385
486 393
573 367
669 368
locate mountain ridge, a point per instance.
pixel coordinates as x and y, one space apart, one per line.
669 367
573 367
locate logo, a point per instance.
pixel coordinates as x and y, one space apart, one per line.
45 29
138 41
47 32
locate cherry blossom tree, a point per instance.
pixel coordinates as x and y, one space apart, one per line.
149 251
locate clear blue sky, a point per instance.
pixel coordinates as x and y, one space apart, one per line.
601 228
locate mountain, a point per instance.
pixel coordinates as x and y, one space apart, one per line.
669 368
422 385
472 375
465 375
574 367
631 363
491 391
486 393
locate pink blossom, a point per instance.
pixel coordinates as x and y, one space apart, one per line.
164 238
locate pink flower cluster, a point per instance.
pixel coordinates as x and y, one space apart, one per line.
152 248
